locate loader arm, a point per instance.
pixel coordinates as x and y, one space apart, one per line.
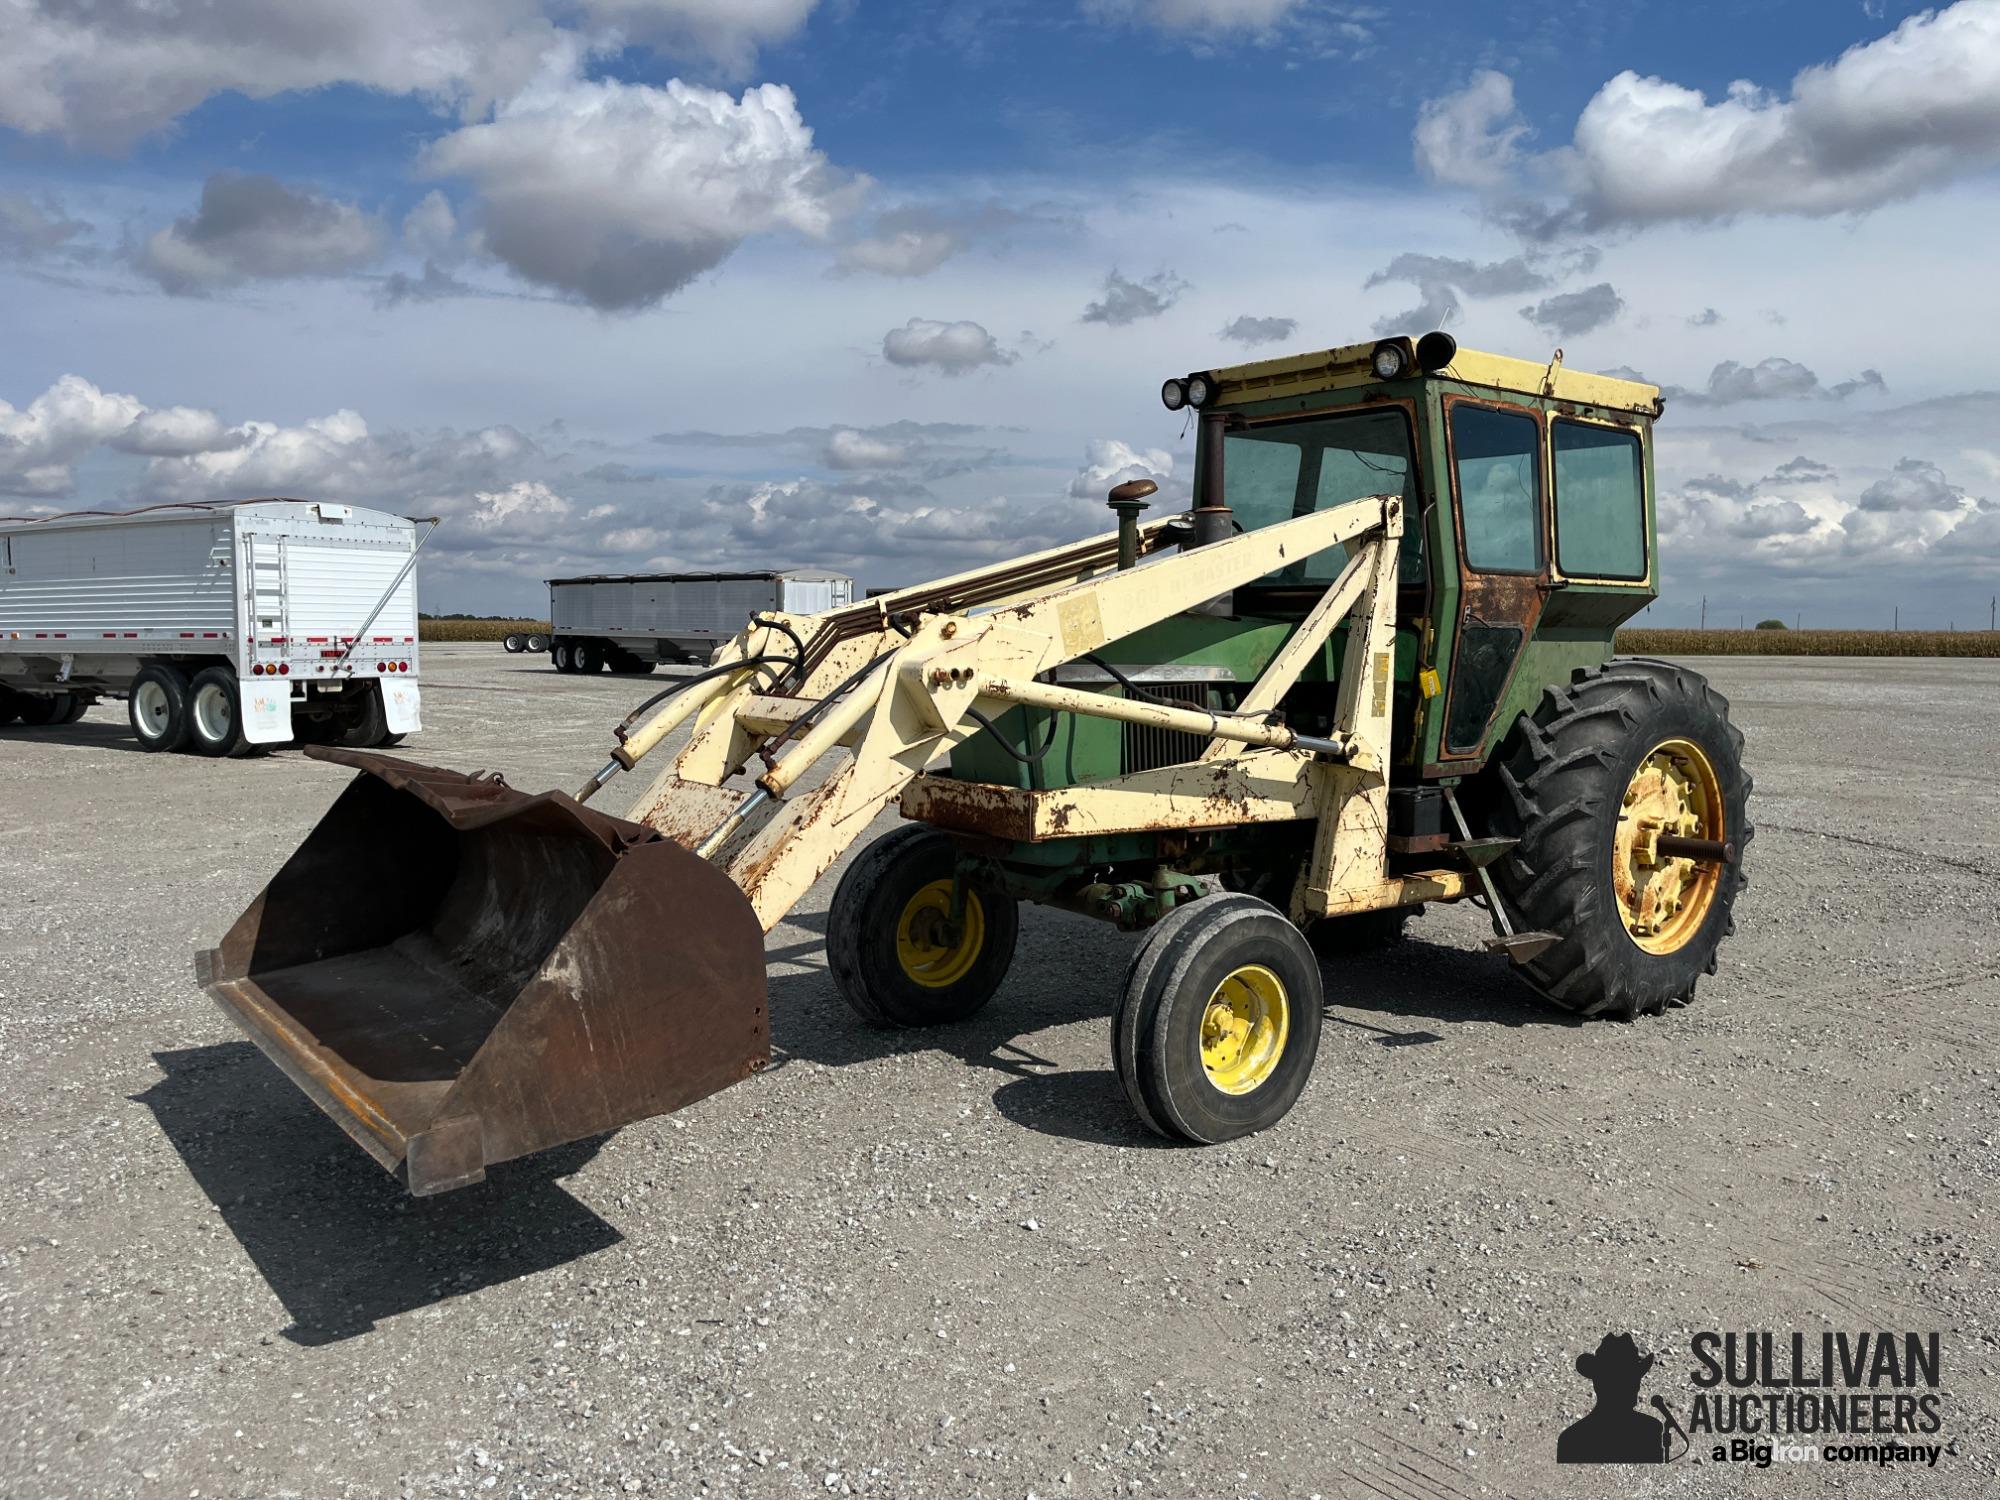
776 837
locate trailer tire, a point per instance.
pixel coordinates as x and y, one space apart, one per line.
10 706
215 724
1218 1024
537 643
1638 734
158 707
41 710
587 657
74 708
559 656
367 721
892 959
514 643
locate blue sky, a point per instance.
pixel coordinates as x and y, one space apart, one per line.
891 287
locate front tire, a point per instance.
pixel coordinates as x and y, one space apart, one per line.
1218 1023
1623 754
897 958
214 725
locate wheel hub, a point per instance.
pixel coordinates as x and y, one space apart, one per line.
1243 1029
933 950
1663 900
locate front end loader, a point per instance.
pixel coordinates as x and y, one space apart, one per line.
1370 668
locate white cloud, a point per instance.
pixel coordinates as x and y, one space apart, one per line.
38 443
1573 314
175 432
1249 330
1887 119
1209 16
1773 379
255 228
106 73
1470 138
431 228
1107 462
1439 279
848 449
622 194
525 509
31 228
727 32
953 348
910 250
1127 301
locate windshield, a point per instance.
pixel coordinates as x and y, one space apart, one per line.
1271 474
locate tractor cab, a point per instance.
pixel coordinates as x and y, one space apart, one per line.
1528 537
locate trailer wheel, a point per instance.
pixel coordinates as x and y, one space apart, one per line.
897 958
40 710
514 643
587 657
367 721
1218 1024
537 642
214 725
74 707
10 706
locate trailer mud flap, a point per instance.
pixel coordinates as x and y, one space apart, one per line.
402 706
266 709
460 973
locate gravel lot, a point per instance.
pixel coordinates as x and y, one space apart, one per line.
952 1264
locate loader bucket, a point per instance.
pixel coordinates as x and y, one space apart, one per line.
460 973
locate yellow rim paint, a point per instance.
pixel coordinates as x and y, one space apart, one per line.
1664 901
1244 1029
923 937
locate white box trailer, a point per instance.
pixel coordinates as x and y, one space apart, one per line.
249 623
631 622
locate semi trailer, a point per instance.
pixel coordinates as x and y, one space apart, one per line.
222 626
632 622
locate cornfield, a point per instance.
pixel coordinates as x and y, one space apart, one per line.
474 630
1808 643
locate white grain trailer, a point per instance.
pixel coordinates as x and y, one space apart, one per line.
631 622
223 626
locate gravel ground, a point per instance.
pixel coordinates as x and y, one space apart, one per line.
951 1264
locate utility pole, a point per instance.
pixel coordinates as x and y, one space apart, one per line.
1898 618
1798 617
1992 611
1704 611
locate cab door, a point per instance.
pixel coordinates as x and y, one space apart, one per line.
1498 485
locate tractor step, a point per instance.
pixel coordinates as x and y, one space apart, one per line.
1480 853
1523 947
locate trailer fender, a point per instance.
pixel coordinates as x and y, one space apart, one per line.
266 709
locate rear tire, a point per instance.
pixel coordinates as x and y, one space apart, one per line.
1218 1023
215 724
587 657
41 710
537 643
10 706
514 643
75 709
1628 733
367 721
895 958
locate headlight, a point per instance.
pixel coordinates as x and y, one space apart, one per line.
1174 395
1200 390
1389 361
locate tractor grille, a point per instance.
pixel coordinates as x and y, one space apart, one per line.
1146 748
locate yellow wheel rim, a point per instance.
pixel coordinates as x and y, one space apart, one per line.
1243 1029
931 953
1664 901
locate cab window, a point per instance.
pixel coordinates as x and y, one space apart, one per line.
1498 457
1288 469
1600 482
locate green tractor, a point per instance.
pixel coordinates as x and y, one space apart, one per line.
1369 669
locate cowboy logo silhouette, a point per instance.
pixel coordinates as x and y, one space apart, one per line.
1614 1431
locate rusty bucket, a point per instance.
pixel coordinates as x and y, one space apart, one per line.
460 973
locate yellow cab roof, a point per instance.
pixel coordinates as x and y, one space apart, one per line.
1349 365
